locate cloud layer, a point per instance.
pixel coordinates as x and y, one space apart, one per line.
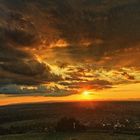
69 43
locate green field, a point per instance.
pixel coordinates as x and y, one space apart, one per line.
70 136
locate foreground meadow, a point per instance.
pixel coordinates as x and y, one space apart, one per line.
70 136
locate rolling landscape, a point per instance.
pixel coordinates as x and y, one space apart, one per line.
112 120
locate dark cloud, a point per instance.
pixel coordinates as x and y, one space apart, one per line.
93 84
108 27
100 32
17 32
20 37
27 68
129 77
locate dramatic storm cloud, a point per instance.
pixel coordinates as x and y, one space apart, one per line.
69 45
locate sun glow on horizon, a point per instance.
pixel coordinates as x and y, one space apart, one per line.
87 95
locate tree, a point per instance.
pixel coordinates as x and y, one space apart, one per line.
69 124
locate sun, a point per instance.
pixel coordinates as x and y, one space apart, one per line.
86 93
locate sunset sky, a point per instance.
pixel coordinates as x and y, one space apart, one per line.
55 50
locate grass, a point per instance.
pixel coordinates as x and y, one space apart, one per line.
70 136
